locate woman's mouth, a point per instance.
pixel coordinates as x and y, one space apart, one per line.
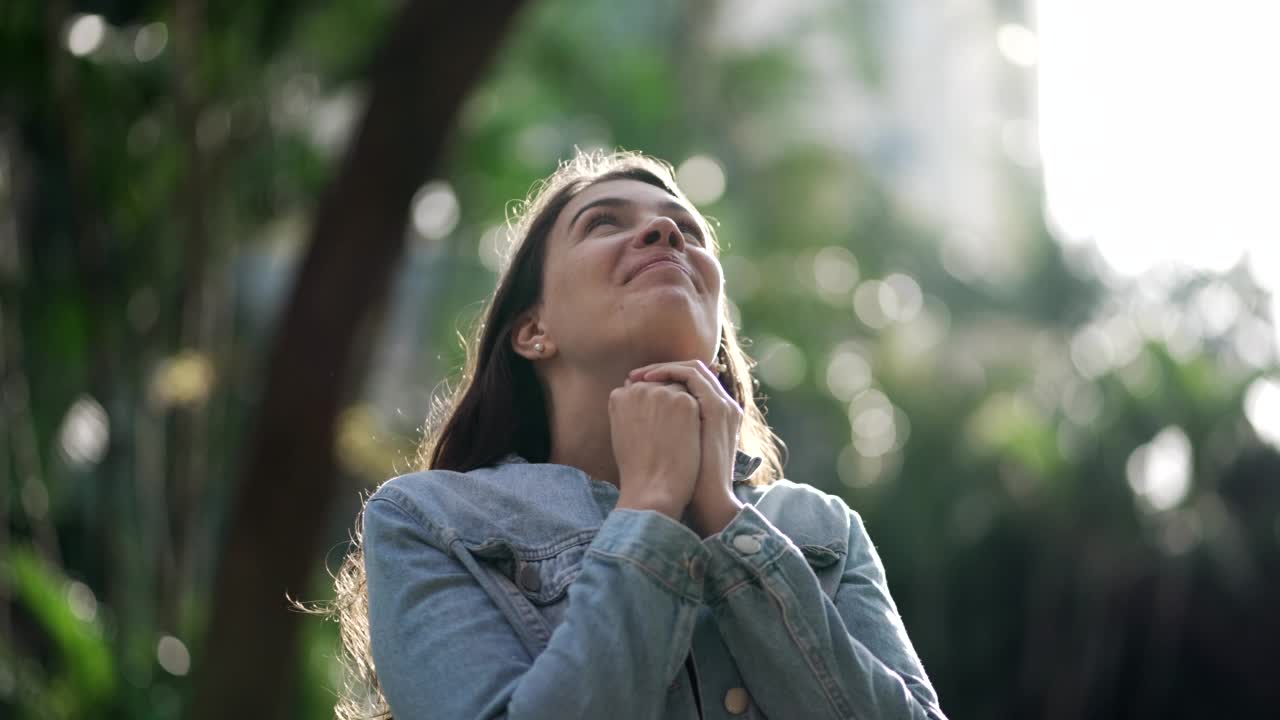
661 264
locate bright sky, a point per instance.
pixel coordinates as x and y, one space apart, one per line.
1160 130
1160 141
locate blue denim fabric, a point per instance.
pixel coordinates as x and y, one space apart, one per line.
518 591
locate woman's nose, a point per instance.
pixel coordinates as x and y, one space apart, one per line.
659 230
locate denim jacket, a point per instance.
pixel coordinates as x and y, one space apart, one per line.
518 591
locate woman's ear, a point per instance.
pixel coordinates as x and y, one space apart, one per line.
529 339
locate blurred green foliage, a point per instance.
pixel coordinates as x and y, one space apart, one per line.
85 676
1033 578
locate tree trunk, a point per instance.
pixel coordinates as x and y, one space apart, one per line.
433 55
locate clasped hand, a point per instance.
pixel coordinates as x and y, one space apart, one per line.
713 503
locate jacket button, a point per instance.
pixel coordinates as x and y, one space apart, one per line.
747 544
736 701
697 568
529 579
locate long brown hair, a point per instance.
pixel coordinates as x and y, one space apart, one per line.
498 406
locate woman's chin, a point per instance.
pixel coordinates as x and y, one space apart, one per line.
666 291
670 319
666 304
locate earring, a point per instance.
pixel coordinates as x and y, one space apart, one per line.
539 347
719 367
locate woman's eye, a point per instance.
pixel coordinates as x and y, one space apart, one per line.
601 219
692 230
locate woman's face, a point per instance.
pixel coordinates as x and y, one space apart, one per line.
629 276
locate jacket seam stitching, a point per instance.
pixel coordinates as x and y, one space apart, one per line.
824 677
541 552
647 570
754 572
434 531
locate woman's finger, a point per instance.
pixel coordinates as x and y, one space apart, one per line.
696 377
636 372
681 370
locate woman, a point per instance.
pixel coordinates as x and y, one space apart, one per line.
602 529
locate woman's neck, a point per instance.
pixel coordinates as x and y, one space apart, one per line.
579 419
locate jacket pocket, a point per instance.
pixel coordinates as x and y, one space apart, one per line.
537 575
827 564
820 556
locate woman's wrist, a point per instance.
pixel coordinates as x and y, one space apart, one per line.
709 516
651 501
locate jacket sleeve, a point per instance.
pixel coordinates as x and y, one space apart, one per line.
442 648
801 654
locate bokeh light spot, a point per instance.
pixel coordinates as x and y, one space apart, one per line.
782 364
84 432
900 297
866 305
150 41
1081 403
1091 352
1159 472
85 34
81 601
1262 407
835 273
848 372
435 210
702 179
184 379
173 656
494 247
878 427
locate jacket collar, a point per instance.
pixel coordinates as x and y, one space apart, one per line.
744 464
